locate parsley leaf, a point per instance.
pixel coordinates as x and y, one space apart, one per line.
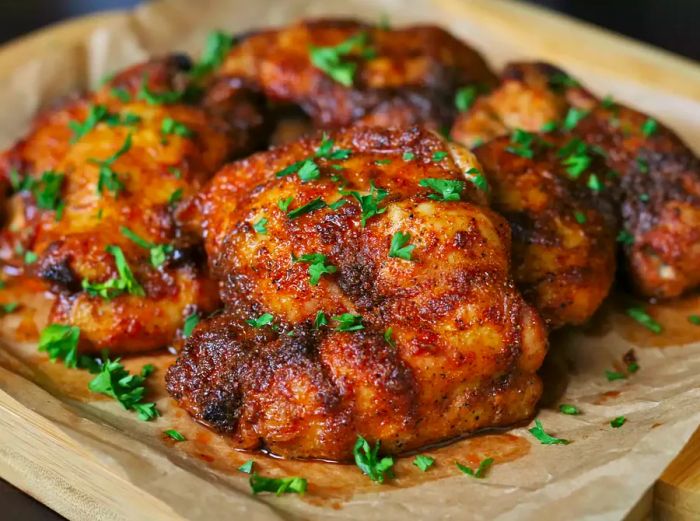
618 422
247 467
158 252
317 266
464 98
521 144
594 183
625 237
190 323
169 126
367 459
175 197
48 190
96 114
30 257
217 46
308 171
115 381
480 472
157 98
177 436
309 207
566 408
641 316
423 462
550 126
8 307
369 204
389 337
478 178
121 94
108 178
580 217
439 155
447 189
283 204
560 80
60 342
614 375
399 247
290 485
546 439
330 59
408 156
348 322
126 282
649 127
320 320
263 320
325 150
260 226
573 117
694 319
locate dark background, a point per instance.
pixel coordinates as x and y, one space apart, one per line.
669 24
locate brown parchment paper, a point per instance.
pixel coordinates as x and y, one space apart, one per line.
601 475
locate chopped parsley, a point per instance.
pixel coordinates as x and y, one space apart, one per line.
573 117
382 162
423 462
348 322
580 217
247 467
157 98
175 197
96 114
575 157
618 422
446 189
389 337
260 226
190 323
8 307
464 98
60 342
550 126
614 375
108 178
330 59
171 127
309 207
124 283
641 316
283 204
408 156
642 164
369 204
158 252
263 320
325 150
317 266
594 183
649 127
625 237
367 459
561 80
546 439
399 246
608 103
481 470
694 319
115 381
121 94
177 436
216 47
479 179
48 191
566 408
30 257
320 320
290 485
521 144
438 156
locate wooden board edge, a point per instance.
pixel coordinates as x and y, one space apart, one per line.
33 453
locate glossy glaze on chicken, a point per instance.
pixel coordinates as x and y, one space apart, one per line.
409 341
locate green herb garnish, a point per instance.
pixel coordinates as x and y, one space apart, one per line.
260 226
124 283
348 322
521 144
573 117
369 204
290 485
649 127
546 439
423 462
190 323
263 320
566 408
158 252
465 97
317 266
446 189
330 59
309 207
217 46
177 436
399 246
367 459
320 320
618 422
481 470
641 316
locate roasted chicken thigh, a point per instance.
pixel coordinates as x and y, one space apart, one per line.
96 183
367 291
652 176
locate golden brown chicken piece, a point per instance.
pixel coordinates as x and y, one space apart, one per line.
99 181
563 231
367 291
657 177
341 71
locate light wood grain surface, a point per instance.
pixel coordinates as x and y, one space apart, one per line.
42 460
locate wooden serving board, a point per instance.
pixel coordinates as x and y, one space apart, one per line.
39 457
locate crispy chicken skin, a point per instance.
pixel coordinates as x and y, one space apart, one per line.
154 169
447 345
563 232
404 76
657 177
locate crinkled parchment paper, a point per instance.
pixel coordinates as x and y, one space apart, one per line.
602 474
